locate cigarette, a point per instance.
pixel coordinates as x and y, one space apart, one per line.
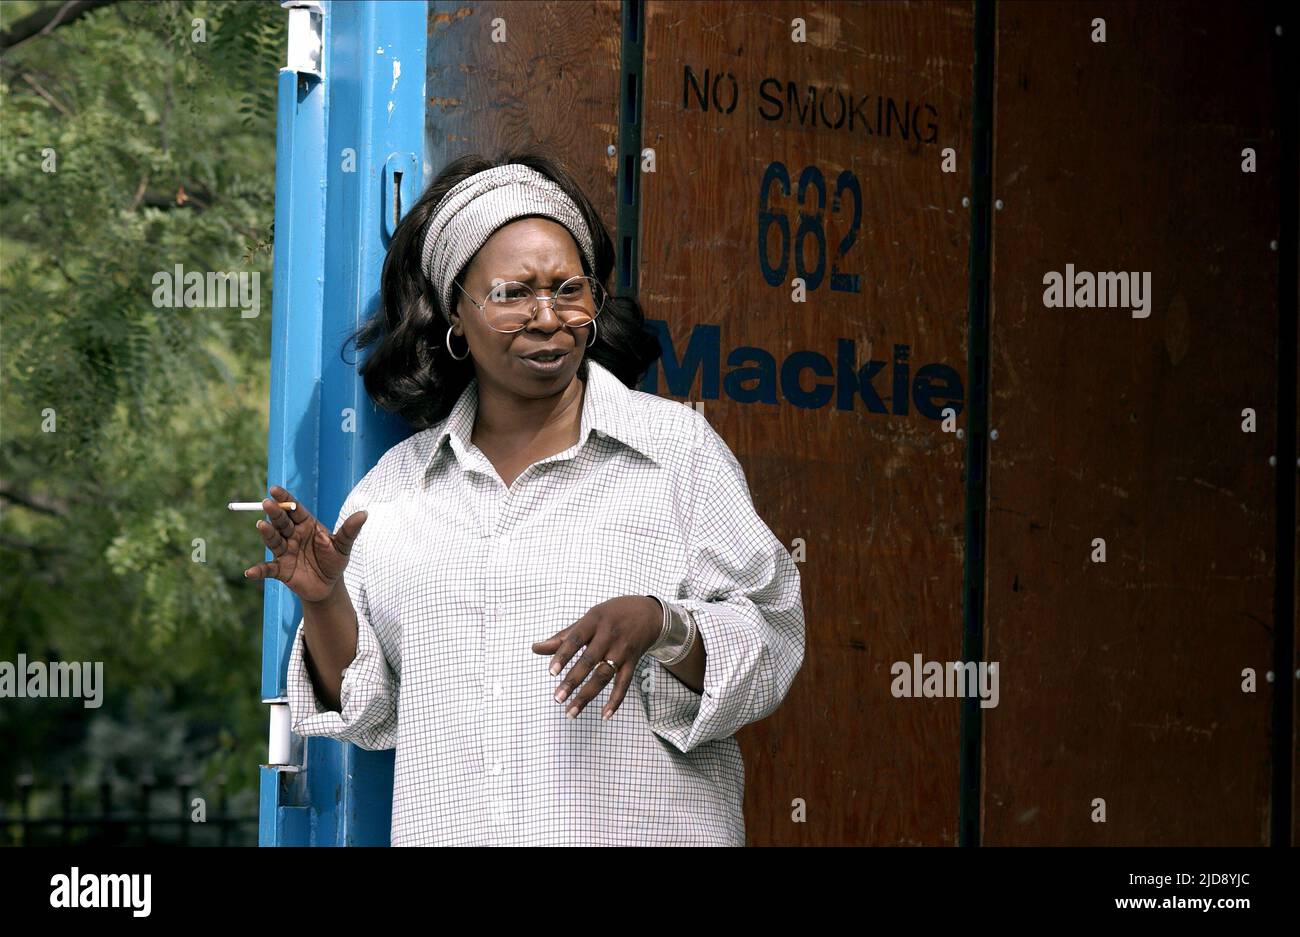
257 505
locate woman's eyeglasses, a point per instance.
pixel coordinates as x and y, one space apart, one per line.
511 305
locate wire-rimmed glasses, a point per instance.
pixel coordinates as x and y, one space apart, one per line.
511 305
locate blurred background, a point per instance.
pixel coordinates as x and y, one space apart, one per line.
115 544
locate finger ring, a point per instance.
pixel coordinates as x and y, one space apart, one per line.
613 665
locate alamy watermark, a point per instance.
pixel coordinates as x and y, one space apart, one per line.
78 889
37 679
213 290
956 678
1106 290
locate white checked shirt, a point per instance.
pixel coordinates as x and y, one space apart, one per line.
453 578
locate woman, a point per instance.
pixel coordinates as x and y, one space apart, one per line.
545 516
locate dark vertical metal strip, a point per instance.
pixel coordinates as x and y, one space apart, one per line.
972 644
1287 81
631 93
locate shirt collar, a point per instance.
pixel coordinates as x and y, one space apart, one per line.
609 408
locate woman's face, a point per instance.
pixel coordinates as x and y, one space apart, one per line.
543 254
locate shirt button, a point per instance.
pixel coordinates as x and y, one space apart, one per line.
497 689
496 768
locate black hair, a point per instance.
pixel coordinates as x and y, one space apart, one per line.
411 372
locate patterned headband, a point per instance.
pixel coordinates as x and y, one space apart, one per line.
475 207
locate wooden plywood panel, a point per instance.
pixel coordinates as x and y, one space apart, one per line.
740 118
535 87
1123 680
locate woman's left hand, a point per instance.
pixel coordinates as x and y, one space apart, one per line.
620 630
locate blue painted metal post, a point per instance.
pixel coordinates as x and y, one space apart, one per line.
349 150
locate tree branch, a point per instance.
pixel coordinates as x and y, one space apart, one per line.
54 262
54 102
26 546
34 502
46 20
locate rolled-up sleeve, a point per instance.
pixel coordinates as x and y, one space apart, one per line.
367 714
743 589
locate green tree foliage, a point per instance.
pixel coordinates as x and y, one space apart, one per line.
125 428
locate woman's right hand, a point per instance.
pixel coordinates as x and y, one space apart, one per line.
308 558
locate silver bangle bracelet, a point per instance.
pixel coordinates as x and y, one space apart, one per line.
677 642
688 644
667 620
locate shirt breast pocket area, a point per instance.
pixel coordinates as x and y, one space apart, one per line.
631 558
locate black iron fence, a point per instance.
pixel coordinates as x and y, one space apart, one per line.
154 815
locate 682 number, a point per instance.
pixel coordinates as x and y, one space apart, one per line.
810 224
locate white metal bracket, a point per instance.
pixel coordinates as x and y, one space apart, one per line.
284 749
306 36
